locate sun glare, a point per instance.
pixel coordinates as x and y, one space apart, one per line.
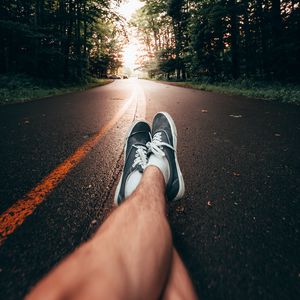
130 51
127 8
130 56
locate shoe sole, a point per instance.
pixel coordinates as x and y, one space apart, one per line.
181 190
125 155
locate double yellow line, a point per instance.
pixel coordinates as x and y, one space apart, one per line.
14 216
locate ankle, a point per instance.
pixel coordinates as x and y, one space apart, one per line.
162 164
153 179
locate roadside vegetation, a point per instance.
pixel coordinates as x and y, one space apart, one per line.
54 47
249 48
285 93
18 88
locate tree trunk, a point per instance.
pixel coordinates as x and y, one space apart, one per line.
234 40
264 68
36 42
84 31
247 40
276 38
77 41
68 40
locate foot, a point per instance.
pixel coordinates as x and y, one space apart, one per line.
163 154
135 159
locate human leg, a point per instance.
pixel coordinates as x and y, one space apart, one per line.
131 254
128 258
179 285
164 155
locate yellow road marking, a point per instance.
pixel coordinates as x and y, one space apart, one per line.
14 216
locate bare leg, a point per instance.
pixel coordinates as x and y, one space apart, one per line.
128 258
179 285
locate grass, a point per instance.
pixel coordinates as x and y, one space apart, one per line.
19 88
285 93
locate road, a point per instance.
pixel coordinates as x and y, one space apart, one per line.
237 228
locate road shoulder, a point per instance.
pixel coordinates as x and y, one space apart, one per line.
267 92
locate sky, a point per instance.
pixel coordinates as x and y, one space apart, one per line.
131 50
127 8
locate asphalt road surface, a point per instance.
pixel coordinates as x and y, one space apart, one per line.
237 228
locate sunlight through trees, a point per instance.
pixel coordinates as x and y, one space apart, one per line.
220 39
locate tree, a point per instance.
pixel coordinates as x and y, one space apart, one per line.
57 39
223 39
178 10
155 31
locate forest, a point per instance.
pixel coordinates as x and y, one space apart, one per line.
183 40
61 40
220 39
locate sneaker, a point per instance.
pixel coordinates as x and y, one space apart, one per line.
164 144
135 155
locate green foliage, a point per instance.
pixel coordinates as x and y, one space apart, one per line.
63 40
155 32
285 93
17 88
222 39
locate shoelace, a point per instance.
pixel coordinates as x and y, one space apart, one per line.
140 156
155 146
